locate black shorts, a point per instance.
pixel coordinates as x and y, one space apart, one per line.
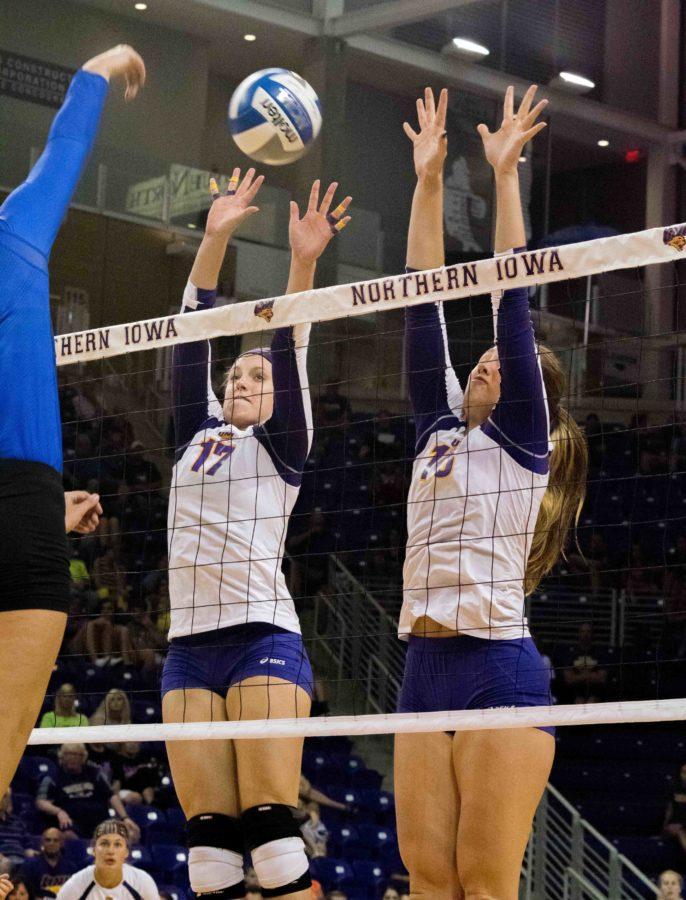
34 563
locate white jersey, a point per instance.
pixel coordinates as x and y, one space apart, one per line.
475 495
232 494
135 885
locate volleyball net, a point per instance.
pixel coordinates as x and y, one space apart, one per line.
610 619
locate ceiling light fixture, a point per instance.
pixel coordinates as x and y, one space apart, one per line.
250 37
577 80
603 143
191 225
465 45
141 7
522 158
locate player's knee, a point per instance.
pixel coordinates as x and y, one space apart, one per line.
278 850
215 856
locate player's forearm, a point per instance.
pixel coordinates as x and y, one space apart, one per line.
425 248
301 275
509 220
208 261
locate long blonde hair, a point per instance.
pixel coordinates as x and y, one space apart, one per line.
103 714
566 491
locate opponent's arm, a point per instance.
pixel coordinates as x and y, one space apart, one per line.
434 389
288 432
34 211
193 397
520 419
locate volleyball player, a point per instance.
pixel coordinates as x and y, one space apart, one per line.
235 646
111 877
34 569
498 477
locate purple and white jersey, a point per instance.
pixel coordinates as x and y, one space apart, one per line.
475 495
233 491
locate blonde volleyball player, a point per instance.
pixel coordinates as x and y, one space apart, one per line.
236 651
498 477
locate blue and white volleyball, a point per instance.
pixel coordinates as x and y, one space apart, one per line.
274 116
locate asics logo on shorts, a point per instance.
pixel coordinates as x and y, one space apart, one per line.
275 662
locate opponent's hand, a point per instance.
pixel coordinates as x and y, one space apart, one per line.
123 61
6 886
504 146
310 236
82 511
230 209
430 145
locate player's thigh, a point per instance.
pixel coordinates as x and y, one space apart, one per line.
204 772
427 805
501 776
30 640
268 770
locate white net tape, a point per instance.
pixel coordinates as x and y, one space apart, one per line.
527 269
394 723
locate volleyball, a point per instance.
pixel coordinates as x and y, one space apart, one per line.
274 116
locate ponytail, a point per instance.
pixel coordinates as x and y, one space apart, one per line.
566 491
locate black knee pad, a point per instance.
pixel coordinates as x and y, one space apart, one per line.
273 837
215 830
268 822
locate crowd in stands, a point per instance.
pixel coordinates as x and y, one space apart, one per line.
351 504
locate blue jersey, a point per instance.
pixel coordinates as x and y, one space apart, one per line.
30 218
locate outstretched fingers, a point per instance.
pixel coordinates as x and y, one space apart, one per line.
508 105
529 119
244 186
421 114
527 100
430 105
328 197
251 191
337 219
442 109
532 132
314 197
410 132
233 182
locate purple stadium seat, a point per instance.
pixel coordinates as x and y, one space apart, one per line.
171 862
332 873
76 851
371 875
344 841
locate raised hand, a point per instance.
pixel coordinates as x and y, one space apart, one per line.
230 209
504 146
310 235
123 61
82 511
431 143
6 886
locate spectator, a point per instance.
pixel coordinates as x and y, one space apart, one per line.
13 833
147 641
390 894
135 774
79 796
584 675
105 642
20 891
675 814
46 873
65 714
308 794
111 876
109 577
670 884
115 709
314 831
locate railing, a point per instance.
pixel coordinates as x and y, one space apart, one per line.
360 639
567 859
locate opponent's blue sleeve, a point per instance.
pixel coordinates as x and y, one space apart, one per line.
34 211
30 217
435 391
287 435
520 421
194 401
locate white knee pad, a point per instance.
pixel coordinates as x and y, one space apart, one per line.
280 862
212 869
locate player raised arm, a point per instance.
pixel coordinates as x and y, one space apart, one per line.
288 431
520 420
194 399
34 211
434 389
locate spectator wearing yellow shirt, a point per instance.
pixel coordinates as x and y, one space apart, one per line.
65 714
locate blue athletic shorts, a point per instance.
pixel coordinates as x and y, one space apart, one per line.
473 673
217 660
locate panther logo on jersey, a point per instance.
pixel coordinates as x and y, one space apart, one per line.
265 310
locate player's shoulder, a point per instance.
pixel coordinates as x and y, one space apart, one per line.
77 883
138 878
